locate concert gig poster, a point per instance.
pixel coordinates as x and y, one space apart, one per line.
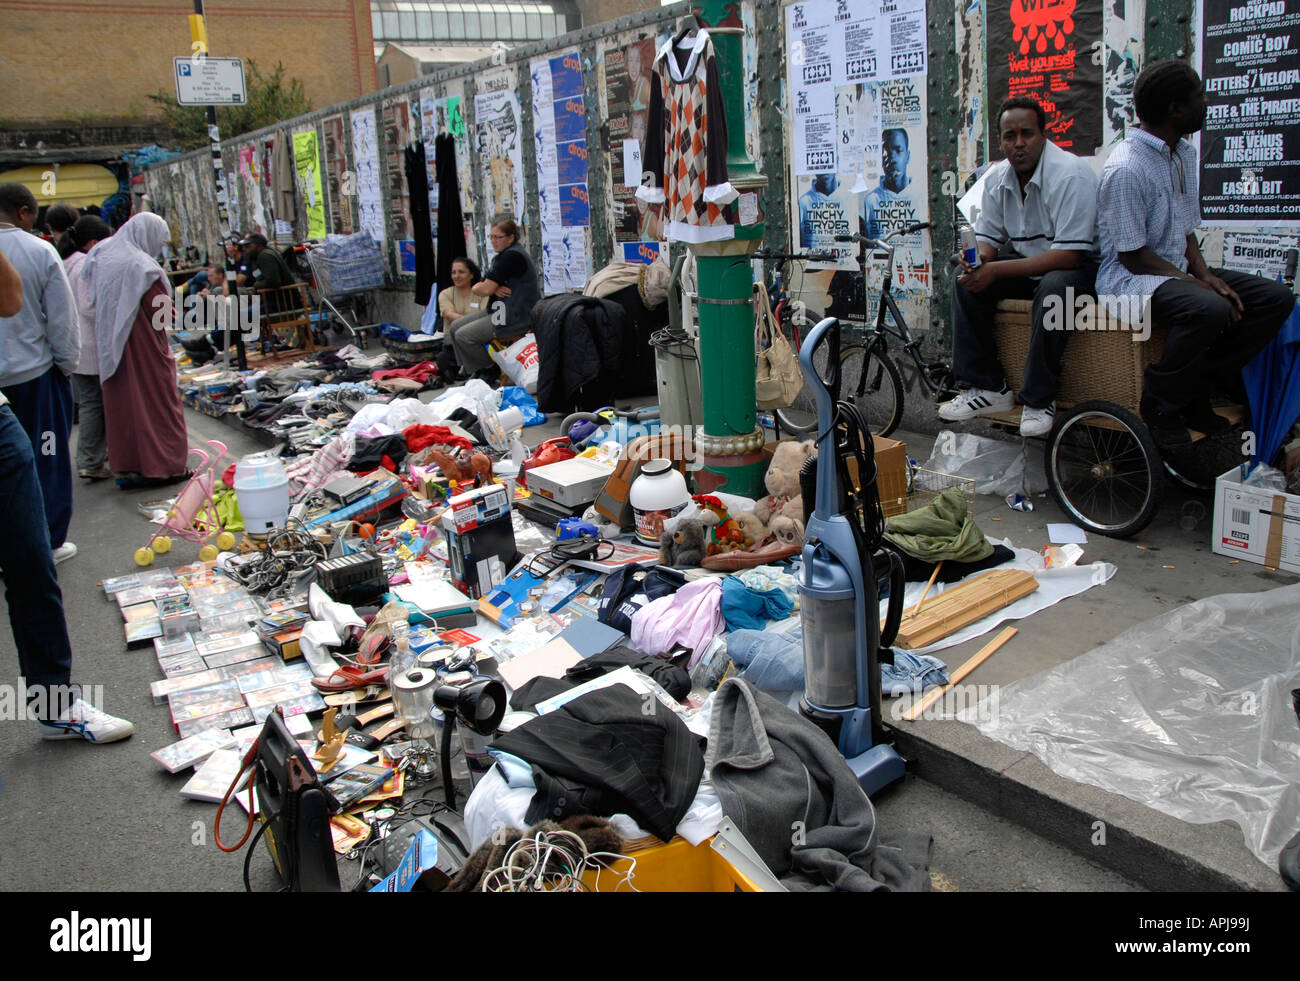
1050 50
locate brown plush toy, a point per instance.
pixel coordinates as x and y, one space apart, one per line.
725 534
685 546
782 510
754 531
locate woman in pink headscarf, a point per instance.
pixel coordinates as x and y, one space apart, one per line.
147 441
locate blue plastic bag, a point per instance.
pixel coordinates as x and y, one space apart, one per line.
514 395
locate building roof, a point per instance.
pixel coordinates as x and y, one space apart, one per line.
436 54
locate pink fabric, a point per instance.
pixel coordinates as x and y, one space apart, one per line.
142 405
692 617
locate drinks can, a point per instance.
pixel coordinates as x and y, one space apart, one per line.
969 250
1018 502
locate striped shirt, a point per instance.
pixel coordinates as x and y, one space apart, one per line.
1058 209
1148 197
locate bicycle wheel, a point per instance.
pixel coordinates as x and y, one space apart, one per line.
1104 469
869 381
872 382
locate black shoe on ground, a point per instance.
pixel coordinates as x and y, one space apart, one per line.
1201 417
1167 428
490 375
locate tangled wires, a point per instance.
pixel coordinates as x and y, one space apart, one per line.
549 861
289 552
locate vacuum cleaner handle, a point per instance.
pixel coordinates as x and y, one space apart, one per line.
897 586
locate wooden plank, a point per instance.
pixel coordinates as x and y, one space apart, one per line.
982 655
962 605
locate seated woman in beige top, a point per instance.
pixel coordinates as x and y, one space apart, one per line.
458 300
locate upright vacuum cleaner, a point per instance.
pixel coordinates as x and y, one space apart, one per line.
839 595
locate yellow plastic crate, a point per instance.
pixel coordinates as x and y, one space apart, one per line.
677 866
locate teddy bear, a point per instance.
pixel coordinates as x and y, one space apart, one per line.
755 531
684 546
782 510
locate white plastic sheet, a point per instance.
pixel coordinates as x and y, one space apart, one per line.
1188 713
1054 585
996 467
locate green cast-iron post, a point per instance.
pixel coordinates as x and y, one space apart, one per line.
731 445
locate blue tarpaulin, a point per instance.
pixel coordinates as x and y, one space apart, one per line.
1272 380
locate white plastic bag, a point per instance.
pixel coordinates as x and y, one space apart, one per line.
520 362
995 466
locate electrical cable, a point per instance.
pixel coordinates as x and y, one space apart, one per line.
584 547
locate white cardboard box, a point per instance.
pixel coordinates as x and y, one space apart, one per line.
573 483
1256 524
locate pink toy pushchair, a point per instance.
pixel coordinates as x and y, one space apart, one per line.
193 515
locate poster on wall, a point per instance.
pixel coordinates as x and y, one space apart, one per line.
560 131
1260 255
880 186
627 105
306 161
365 162
1250 146
339 188
1050 51
250 171
498 135
397 134
809 29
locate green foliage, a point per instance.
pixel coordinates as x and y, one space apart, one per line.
271 99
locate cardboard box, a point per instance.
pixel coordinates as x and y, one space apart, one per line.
891 473
1256 524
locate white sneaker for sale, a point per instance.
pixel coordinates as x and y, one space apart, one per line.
976 402
64 552
83 721
1037 422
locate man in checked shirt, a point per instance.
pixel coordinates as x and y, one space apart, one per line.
1148 207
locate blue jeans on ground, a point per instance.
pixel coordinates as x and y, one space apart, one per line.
44 408
31 586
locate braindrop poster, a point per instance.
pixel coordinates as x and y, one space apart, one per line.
1250 145
560 132
1051 51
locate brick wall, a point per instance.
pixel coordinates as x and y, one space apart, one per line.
93 59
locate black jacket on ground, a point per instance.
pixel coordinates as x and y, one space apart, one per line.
603 754
579 347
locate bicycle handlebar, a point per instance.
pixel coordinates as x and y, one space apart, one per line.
797 257
865 240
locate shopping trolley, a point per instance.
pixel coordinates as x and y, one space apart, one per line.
193 515
345 271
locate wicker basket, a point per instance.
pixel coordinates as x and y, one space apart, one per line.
1105 363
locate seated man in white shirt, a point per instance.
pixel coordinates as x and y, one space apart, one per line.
1037 239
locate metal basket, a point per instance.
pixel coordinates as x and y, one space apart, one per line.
336 277
925 486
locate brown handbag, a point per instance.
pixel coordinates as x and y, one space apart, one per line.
612 501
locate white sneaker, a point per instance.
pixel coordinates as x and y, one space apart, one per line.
64 552
1037 422
975 402
84 721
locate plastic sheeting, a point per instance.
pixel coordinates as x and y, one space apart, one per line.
996 467
1189 713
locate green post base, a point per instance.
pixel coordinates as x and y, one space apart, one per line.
741 475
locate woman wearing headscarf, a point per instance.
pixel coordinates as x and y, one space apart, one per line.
92 450
147 442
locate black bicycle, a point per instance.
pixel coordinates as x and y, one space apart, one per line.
869 375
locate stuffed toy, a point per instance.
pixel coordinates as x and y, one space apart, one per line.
754 531
725 534
684 545
782 510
